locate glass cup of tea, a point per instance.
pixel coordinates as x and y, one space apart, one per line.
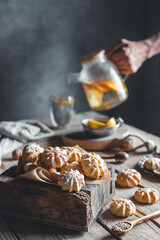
61 110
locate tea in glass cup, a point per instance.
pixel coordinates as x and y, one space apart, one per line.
61 110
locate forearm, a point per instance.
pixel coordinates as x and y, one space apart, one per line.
130 55
153 45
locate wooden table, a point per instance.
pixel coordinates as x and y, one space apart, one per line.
11 228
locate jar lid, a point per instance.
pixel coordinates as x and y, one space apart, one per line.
92 56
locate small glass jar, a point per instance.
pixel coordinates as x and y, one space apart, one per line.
102 82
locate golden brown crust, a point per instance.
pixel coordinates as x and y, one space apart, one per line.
128 178
74 155
122 207
152 163
93 165
146 195
54 157
72 166
31 153
71 180
66 165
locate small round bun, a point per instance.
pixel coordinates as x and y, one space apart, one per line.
128 178
71 180
74 155
146 195
93 165
152 163
122 207
54 157
31 153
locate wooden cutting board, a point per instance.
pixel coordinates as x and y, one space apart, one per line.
88 142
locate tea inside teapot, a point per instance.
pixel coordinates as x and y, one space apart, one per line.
102 82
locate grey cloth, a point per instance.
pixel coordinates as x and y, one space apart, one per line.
15 134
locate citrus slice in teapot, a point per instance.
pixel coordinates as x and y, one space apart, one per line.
105 85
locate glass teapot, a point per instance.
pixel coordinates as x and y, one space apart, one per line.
103 85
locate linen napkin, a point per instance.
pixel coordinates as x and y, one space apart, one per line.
14 134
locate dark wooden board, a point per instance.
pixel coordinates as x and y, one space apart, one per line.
48 204
89 142
27 230
145 229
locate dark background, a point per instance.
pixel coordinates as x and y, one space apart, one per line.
41 41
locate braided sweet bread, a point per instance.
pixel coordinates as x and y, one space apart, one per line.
122 207
71 180
128 178
54 157
146 195
152 163
31 153
93 165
